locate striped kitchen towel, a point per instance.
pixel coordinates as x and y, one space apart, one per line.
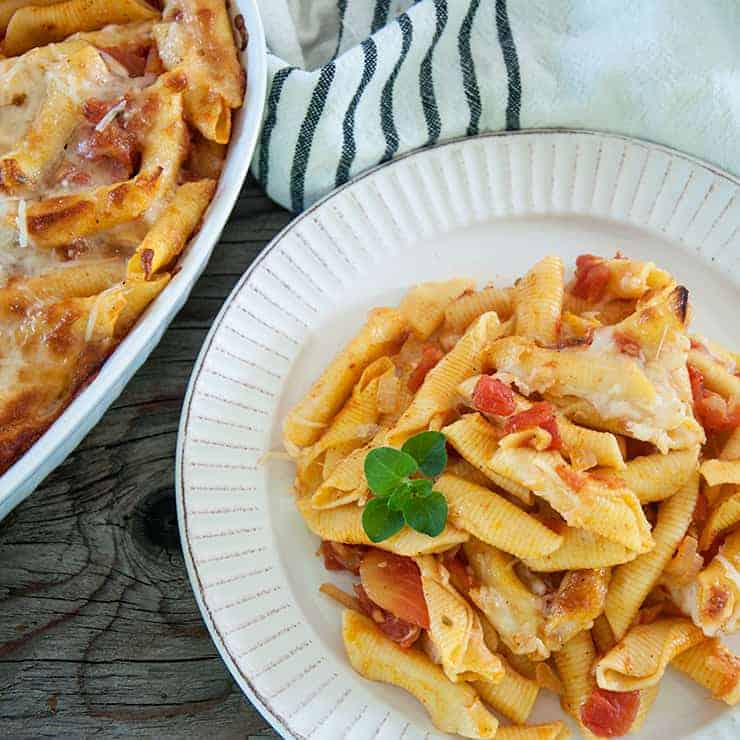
352 83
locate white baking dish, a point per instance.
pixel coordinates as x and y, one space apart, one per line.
85 411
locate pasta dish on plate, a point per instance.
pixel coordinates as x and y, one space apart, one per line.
114 119
538 487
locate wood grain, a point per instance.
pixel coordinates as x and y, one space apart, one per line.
99 631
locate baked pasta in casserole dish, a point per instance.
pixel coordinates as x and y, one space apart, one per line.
114 121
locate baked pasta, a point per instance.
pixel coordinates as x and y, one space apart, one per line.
538 487
114 118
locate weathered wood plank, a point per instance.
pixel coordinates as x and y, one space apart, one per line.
99 631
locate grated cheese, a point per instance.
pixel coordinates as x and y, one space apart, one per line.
108 118
22 224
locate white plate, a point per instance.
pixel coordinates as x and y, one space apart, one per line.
485 207
86 410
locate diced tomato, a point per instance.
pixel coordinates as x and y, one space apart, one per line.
461 574
571 478
626 345
610 713
431 354
394 583
397 629
541 414
713 412
342 557
592 277
491 396
132 56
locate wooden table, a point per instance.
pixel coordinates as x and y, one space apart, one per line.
99 631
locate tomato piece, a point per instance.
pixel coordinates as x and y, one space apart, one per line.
396 629
592 277
431 354
461 574
393 582
712 411
571 478
342 557
610 713
534 416
491 396
541 414
551 426
131 56
626 345
697 383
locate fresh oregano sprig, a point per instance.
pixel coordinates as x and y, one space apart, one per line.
401 494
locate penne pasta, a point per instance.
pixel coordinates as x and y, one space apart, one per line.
40 24
476 440
507 603
455 629
169 233
581 549
344 525
494 520
549 731
383 332
424 305
514 695
438 393
573 608
632 581
465 309
58 221
718 472
453 707
639 660
205 50
582 500
538 301
574 662
656 477
716 377
713 666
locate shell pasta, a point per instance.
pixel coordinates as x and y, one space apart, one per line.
104 177
538 486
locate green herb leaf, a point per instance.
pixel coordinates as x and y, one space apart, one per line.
400 497
378 521
386 468
429 450
427 515
421 487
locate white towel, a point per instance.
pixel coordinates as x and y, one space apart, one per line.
352 83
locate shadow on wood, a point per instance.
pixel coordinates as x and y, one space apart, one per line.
99 631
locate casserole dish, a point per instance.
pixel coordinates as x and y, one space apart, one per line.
90 403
